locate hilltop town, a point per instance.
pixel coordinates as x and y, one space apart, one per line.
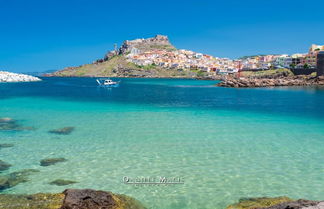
186 59
157 57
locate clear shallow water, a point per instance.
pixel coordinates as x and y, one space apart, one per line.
224 143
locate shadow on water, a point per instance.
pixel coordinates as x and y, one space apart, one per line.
175 93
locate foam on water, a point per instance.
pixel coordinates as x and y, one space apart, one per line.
223 147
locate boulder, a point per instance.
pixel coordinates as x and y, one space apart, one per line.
88 198
62 182
276 203
71 198
62 131
4 166
51 161
299 204
6 145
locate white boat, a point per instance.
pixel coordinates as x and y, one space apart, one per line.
107 82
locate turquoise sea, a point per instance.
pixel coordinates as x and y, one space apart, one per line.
224 144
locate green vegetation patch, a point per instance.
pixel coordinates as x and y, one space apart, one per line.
262 202
267 73
36 201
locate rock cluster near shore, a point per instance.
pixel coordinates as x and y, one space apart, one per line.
15 178
246 82
93 199
9 124
70 199
7 77
276 203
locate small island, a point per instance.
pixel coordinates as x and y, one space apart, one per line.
8 77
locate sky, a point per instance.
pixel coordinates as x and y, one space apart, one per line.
41 35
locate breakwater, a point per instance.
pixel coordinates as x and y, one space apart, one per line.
15 77
246 82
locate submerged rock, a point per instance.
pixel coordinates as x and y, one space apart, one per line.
6 145
4 166
9 124
15 178
6 120
70 199
88 198
51 161
35 201
62 182
62 131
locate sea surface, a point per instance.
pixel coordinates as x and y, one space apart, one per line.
222 143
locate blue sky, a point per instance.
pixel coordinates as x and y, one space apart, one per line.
39 35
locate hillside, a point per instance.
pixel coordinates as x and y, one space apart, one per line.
116 64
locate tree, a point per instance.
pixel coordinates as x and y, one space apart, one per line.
292 65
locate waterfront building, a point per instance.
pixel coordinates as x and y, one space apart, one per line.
282 61
311 57
297 59
320 63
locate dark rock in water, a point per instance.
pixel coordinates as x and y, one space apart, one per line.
88 198
62 182
62 131
276 203
299 204
72 198
4 166
35 201
15 178
6 145
6 120
9 124
51 161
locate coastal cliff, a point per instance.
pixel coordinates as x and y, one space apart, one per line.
115 63
143 45
6 77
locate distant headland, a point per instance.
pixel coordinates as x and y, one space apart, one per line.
133 59
157 57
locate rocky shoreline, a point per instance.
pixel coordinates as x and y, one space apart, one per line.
70 199
8 77
94 199
276 203
250 82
